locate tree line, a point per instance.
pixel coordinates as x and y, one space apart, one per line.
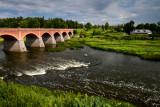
128 27
38 22
41 22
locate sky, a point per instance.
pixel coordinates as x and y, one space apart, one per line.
95 11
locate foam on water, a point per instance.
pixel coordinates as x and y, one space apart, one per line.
60 65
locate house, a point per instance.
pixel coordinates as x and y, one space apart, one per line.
141 31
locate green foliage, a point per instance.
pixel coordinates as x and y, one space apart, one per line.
153 27
140 26
103 27
88 26
63 46
83 33
38 22
118 28
75 32
128 27
106 25
95 26
16 95
96 32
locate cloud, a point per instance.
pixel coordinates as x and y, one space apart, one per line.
94 11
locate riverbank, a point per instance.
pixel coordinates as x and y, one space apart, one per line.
1 39
140 45
67 44
22 95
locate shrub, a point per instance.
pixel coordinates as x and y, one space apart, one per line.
75 31
83 33
96 32
16 95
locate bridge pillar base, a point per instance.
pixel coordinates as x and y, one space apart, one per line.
34 42
60 39
49 40
71 36
14 46
66 37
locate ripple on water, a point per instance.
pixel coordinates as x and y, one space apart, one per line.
61 65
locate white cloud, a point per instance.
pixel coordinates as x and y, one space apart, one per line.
94 11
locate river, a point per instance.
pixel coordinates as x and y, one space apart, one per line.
109 74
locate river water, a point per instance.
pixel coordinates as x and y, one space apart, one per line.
109 74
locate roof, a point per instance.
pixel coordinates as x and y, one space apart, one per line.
141 31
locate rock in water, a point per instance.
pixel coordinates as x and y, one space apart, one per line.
85 55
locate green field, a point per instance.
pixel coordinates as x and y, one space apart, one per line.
139 45
16 95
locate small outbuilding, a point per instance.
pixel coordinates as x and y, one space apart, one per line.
141 31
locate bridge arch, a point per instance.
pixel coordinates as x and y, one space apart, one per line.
8 36
65 36
12 43
48 39
32 40
70 34
58 37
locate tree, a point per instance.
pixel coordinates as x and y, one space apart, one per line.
153 27
75 31
128 27
106 26
147 26
118 28
140 26
103 28
95 26
88 26
23 24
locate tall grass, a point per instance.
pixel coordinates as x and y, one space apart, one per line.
139 45
16 95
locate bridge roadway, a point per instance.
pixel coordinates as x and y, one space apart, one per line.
35 37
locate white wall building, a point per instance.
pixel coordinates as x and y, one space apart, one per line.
141 31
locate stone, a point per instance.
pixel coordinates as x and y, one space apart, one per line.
59 39
34 42
14 46
66 37
49 40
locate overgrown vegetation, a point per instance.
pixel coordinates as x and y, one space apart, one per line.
67 44
16 95
143 46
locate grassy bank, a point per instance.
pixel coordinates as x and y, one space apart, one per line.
1 39
139 45
67 44
13 95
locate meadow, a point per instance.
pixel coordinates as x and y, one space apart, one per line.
139 45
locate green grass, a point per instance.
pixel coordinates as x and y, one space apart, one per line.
67 44
1 39
138 45
16 95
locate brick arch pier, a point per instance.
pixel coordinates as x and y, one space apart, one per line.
35 37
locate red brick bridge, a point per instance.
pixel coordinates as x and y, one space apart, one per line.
35 37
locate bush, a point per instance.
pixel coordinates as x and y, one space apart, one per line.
96 32
75 32
83 33
16 95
